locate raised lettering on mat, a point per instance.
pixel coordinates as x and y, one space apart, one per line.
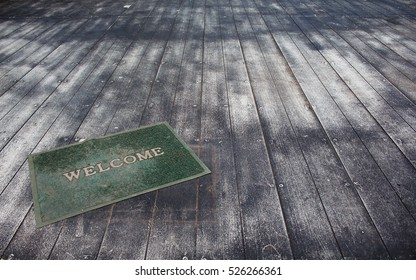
99 167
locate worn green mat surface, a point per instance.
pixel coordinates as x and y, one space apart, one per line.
80 177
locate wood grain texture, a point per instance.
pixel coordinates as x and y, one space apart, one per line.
219 234
134 216
346 213
305 111
379 120
364 171
264 238
301 202
174 221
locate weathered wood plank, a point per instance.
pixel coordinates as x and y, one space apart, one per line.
370 9
314 102
44 44
141 7
23 78
14 119
62 9
346 213
333 8
24 35
387 211
388 8
368 128
407 86
90 241
219 234
356 9
402 29
5 7
67 246
23 144
25 141
132 105
28 243
15 203
396 60
306 219
22 9
63 95
264 228
379 26
173 232
101 114
393 118
136 214
80 237
10 26
389 92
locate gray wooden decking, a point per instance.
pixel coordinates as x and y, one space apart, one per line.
303 110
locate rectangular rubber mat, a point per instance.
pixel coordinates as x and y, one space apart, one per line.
80 177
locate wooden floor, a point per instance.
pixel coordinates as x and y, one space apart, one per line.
305 111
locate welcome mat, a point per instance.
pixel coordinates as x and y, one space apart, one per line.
80 177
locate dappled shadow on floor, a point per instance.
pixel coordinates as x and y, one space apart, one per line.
309 159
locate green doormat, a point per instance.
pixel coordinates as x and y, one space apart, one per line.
80 177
